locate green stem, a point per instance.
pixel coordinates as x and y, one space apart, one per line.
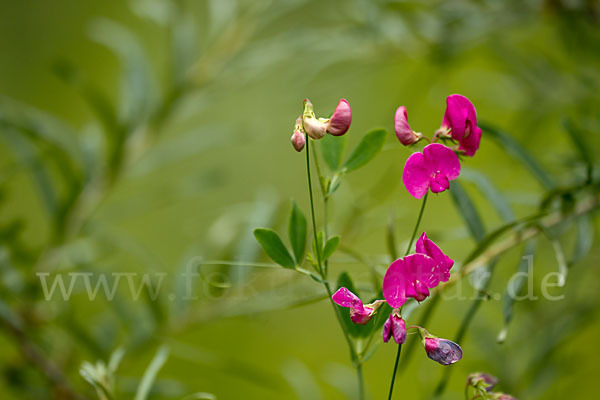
395 370
410 243
353 355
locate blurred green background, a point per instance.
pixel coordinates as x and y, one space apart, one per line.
142 136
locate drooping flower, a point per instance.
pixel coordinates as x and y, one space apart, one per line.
443 351
445 263
339 123
298 139
432 169
411 276
406 135
460 120
359 313
394 327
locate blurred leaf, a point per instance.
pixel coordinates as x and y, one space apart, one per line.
578 137
493 195
466 208
515 286
513 148
302 381
364 152
330 247
274 247
318 251
585 239
333 147
115 360
391 239
297 232
145 386
200 396
563 268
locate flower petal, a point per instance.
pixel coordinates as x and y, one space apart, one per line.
394 284
345 298
443 351
416 176
444 263
420 272
470 143
403 131
341 119
459 110
441 160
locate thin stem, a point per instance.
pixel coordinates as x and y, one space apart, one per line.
394 374
356 361
414 234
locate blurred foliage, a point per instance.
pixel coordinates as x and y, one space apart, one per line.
152 136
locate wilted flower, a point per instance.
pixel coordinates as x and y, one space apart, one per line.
406 135
411 276
432 169
394 327
359 313
339 123
460 120
445 263
298 139
443 351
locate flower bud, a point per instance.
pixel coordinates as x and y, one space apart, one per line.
443 351
403 131
298 140
315 128
501 396
339 123
484 380
394 326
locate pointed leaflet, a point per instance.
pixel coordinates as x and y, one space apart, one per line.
143 390
274 247
467 210
578 137
297 232
364 152
493 195
332 147
331 245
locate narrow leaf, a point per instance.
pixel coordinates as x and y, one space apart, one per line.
274 247
467 210
331 246
297 232
578 137
364 152
585 239
150 375
492 194
513 148
333 147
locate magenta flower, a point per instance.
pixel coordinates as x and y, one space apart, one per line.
339 123
445 263
394 327
403 131
359 313
460 119
432 169
411 276
443 351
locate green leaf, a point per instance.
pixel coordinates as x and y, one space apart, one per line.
318 253
158 361
578 137
585 239
513 148
515 286
333 147
493 195
274 247
297 232
467 210
364 152
331 246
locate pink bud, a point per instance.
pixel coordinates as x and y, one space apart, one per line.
298 141
341 119
394 327
443 351
403 131
482 379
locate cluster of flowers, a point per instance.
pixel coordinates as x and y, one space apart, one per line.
410 276
432 169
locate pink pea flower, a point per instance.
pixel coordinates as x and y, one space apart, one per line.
411 276
443 351
432 169
394 327
298 139
445 263
359 313
460 119
339 123
403 131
